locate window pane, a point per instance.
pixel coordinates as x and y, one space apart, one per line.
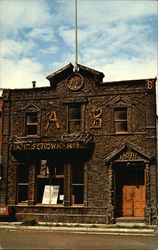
31 130
74 126
31 118
56 170
77 174
120 114
41 183
120 126
75 112
77 184
77 194
22 174
120 120
60 170
31 123
23 193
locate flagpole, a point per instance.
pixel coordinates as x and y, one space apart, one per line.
76 48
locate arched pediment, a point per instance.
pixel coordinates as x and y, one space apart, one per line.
128 152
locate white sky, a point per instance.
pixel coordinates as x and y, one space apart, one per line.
118 38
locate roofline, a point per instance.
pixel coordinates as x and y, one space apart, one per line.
101 83
90 69
132 80
60 70
71 67
28 89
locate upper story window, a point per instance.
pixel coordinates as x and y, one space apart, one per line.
31 123
74 122
120 120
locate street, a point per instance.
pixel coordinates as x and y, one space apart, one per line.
30 239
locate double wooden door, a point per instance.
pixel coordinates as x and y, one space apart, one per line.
133 200
130 191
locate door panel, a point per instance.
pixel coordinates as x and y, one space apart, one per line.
139 200
127 200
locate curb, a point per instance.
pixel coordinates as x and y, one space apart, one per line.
85 230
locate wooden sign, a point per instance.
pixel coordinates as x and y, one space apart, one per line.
50 195
55 195
4 211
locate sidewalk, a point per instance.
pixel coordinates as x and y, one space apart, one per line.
139 229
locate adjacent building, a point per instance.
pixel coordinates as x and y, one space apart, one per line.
1 109
81 150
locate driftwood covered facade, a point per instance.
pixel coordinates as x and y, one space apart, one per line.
81 150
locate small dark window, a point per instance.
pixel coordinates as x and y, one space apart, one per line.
22 185
77 184
31 123
120 120
74 118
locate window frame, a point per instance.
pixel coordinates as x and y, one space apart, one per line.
115 121
71 121
66 188
79 184
51 178
31 124
22 184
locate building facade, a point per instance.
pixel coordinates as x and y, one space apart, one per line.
81 150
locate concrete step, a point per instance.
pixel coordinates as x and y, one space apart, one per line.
130 220
84 228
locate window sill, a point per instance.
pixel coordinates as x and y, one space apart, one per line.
39 205
51 205
32 136
77 205
59 205
48 205
22 203
50 176
121 133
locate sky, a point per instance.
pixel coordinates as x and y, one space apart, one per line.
118 38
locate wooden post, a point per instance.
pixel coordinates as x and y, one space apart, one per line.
85 185
31 184
110 216
148 198
67 185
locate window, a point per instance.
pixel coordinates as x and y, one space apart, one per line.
74 118
120 120
77 184
50 183
22 185
31 123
